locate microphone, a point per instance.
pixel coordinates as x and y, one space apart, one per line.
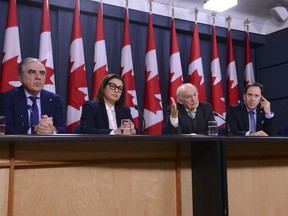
219 116
142 116
32 126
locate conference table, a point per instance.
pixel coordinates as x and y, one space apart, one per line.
143 175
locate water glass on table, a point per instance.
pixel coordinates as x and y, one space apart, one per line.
2 125
126 126
212 128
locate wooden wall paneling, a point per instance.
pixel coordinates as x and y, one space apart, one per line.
257 173
258 187
4 185
102 177
117 189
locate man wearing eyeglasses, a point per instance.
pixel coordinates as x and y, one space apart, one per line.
104 114
188 115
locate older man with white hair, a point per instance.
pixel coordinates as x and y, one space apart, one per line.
188 115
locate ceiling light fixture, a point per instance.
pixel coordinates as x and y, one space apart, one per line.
219 5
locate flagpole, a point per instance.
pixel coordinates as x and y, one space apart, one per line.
228 20
247 23
213 14
196 14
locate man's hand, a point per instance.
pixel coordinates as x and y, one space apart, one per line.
174 111
258 133
265 105
45 126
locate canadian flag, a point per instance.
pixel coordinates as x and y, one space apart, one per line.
45 50
77 86
248 71
100 56
153 112
232 81
195 70
127 72
175 74
11 51
217 95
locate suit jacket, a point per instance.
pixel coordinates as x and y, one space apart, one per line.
14 106
238 121
94 118
204 113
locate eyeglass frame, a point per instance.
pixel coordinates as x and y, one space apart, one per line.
113 86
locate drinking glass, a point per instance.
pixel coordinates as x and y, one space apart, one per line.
126 126
2 125
212 128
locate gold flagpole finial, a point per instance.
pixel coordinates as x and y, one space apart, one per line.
247 23
196 14
228 20
214 14
172 9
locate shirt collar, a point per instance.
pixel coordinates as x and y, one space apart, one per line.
29 95
110 109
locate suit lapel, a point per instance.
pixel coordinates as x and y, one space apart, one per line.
103 108
245 116
21 102
185 118
46 103
258 120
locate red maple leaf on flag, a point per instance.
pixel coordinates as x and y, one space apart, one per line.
218 98
233 93
151 90
49 73
129 97
76 96
174 85
12 64
196 77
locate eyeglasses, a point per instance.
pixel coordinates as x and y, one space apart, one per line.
113 86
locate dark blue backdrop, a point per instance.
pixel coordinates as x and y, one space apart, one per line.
61 16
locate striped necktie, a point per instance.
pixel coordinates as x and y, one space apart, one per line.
34 116
192 114
252 123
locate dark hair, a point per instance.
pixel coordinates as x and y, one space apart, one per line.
253 84
105 82
23 64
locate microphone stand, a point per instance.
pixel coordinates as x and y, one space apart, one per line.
32 126
143 119
217 115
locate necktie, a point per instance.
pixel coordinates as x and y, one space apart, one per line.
34 116
192 114
252 123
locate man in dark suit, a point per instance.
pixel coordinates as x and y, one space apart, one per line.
45 115
188 115
253 117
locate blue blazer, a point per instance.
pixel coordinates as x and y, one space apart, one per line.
238 121
13 105
94 118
